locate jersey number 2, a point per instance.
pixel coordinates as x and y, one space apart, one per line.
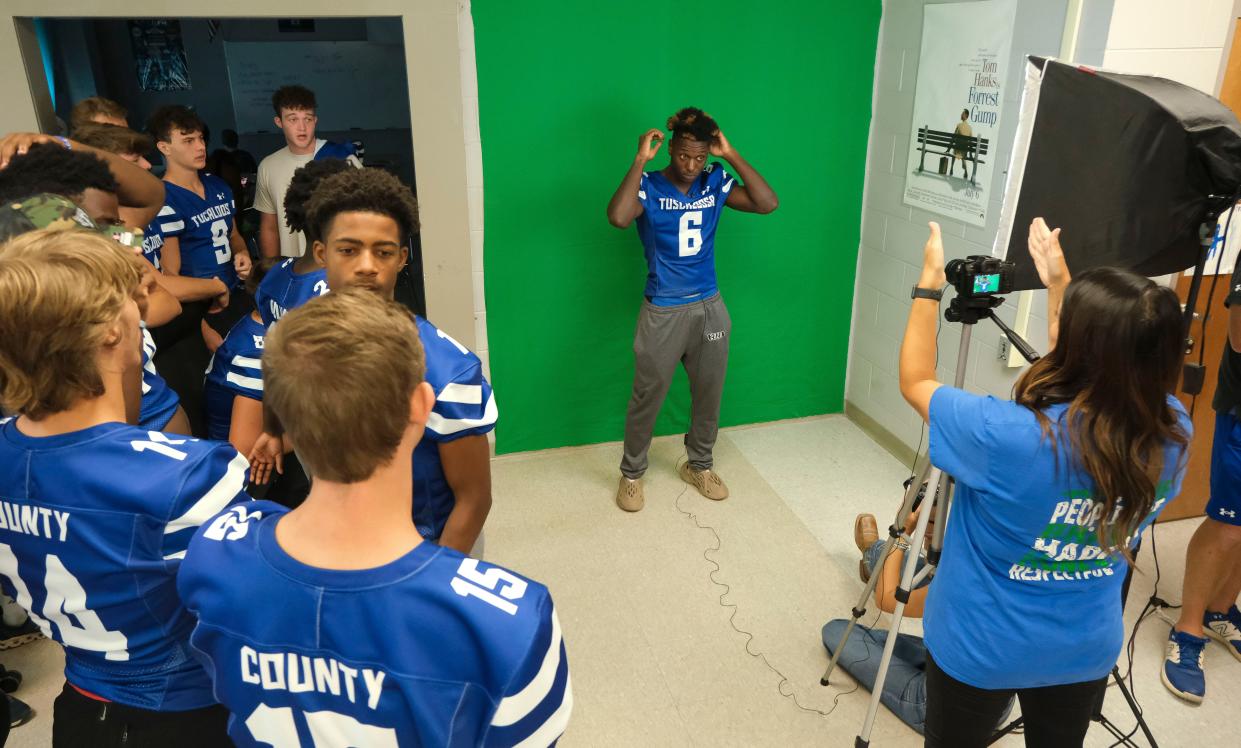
689 236
219 240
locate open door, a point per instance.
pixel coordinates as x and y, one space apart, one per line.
1197 487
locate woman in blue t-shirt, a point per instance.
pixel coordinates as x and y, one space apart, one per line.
1052 488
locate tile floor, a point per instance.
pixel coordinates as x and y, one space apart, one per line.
656 646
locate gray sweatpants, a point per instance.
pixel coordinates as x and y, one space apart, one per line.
696 335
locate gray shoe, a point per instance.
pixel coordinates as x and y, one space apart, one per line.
707 482
629 495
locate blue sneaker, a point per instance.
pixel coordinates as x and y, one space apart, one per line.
1225 628
1182 666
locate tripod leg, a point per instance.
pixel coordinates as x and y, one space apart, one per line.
1133 707
935 481
859 610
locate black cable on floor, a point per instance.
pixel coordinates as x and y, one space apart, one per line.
750 636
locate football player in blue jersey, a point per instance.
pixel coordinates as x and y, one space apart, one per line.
96 515
233 387
362 218
683 318
378 638
198 219
294 281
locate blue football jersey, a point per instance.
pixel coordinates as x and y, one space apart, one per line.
203 225
432 649
333 149
236 369
464 406
678 234
153 239
159 401
93 527
282 289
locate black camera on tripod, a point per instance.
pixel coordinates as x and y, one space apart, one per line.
980 275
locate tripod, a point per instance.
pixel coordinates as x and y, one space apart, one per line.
934 484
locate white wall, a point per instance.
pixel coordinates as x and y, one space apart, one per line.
890 256
1183 40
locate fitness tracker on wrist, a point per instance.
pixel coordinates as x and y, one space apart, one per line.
934 294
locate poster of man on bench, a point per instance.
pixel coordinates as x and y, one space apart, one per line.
963 73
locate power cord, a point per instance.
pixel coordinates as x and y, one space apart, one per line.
727 590
1155 605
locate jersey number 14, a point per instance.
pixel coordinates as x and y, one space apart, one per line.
65 598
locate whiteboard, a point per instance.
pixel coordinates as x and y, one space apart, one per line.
357 84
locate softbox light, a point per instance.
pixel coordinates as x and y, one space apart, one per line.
1123 164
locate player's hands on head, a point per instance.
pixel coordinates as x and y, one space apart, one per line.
17 143
1045 250
649 143
720 147
933 260
267 452
242 264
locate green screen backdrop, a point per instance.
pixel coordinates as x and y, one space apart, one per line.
565 90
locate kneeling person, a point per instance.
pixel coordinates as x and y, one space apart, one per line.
380 638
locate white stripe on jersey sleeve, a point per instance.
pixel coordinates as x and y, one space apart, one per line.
250 383
513 708
727 186
167 211
214 501
175 226
246 362
446 426
467 394
554 727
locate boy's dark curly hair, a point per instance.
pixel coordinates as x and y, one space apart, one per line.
302 186
366 190
174 116
50 167
694 124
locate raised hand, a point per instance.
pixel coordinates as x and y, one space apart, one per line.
720 147
1045 250
933 260
649 143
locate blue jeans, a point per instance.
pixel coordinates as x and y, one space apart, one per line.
904 690
872 554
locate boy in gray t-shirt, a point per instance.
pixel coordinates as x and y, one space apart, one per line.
295 116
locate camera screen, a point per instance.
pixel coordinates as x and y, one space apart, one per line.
989 283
